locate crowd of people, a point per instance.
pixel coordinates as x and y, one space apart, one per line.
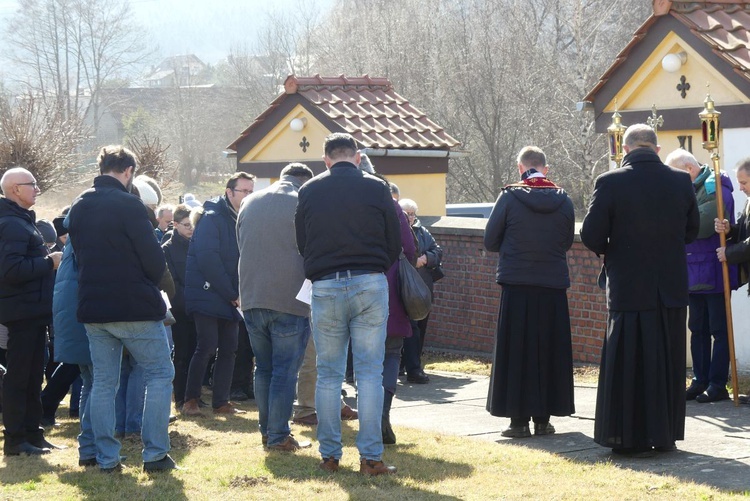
146 301
655 225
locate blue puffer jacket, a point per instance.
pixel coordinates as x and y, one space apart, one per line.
71 342
211 276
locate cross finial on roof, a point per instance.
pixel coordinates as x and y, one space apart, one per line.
654 121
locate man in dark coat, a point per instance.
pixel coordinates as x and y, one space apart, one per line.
26 282
120 265
212 295
531 227
640 218
349 234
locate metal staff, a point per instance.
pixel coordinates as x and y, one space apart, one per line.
710 129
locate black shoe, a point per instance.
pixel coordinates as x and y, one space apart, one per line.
44 444
694 390
712 394
543 428
634 452
418 378
516 431
74 413
744 399
172 418
92 461
238 396
666 448
24 448
164 464
115 469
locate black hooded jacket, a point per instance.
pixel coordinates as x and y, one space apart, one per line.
532 229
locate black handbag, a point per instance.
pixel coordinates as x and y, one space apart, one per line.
415 294
437 273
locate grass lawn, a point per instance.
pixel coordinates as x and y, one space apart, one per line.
225 461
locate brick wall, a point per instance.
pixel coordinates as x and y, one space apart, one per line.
464 317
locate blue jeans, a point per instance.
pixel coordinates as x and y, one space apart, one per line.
130 397
279 341
708 319
86 442
353 308
147 343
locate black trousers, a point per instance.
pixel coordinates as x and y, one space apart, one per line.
57 387
22 386
242 378
184 337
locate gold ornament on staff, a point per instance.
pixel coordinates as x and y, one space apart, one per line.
615 132
654 121
710 132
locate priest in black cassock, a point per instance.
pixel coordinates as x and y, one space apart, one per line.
640 218
531 226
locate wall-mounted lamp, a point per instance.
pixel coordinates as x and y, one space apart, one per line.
297 124
673 62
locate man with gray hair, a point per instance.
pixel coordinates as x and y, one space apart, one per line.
707 316
278 324
26 282
640 218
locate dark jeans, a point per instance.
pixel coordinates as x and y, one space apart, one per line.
184 338
412 356
57 387
242 378
708 319
391 360
22 385
213 333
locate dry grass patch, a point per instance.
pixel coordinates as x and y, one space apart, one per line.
225 460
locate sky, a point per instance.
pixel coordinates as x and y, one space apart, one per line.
206 28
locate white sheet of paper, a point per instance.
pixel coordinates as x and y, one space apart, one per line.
305 292
166 299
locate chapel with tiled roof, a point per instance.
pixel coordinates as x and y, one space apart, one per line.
402 142
681 53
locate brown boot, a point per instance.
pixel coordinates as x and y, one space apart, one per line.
190 408
372 467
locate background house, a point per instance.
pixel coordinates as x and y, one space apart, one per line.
402 142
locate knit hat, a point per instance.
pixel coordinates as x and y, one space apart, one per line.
154 186
189 199
147 193
47 230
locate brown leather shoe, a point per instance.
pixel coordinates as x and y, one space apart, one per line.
190 408
372 467
311 420
228 408
348 414
290 444
330 465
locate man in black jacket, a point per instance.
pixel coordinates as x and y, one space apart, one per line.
26 282
120 264
348 234
640 218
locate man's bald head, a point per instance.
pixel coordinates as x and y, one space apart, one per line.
19 185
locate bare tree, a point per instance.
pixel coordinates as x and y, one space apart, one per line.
39 138
66 50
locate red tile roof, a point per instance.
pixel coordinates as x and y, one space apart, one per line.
722 24
368 109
